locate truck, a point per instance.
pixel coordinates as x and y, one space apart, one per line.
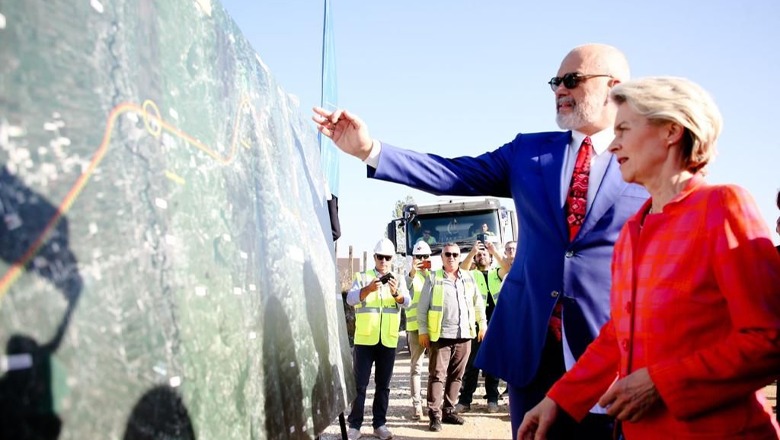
458 220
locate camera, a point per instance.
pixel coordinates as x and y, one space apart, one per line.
386 277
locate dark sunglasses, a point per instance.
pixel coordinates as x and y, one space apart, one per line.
451 254
571 80
423 257
383 257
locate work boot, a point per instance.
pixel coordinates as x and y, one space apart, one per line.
452 419
383 433
492 407
353 434
461 408
435 424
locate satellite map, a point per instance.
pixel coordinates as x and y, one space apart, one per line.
167 264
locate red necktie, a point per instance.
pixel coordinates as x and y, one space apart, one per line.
576 203
577 197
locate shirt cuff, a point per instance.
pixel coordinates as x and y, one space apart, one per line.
373 157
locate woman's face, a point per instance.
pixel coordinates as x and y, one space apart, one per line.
640 147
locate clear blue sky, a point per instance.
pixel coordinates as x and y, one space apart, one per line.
462 77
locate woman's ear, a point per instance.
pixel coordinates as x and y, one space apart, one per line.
674 134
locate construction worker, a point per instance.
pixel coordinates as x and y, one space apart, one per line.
419 272
377 297
449 306
489 281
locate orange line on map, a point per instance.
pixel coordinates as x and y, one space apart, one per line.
17 268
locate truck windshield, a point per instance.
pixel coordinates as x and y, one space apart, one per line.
460 228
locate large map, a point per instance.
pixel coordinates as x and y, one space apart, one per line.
167 267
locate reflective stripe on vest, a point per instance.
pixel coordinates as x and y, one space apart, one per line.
411 312
493 284
377 317
435 313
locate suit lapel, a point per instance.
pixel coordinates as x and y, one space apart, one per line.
612 185
551 160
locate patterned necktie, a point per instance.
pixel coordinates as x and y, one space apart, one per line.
577 198
576 203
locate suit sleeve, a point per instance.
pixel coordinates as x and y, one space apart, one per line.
484 175
747 272
582 386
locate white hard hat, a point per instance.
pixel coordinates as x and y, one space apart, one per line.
384 247
421 248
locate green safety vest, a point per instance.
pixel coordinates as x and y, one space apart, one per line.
493 284
435 312
411 312
377 315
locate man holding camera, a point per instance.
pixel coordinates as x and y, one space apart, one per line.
377 297
419 272
450 304
489 280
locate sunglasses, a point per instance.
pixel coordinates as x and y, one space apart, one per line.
571 80
383 257
423 257
451 254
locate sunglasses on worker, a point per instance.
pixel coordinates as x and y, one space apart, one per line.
422 257
451 254
572 80
383 257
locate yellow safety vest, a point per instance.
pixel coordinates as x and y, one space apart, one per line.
435 312
493 283
377 315
411 312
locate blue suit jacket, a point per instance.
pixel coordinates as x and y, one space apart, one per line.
547 265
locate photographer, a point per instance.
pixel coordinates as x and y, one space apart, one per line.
377 297
489 282
419 272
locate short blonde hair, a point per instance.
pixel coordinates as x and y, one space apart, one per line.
681 101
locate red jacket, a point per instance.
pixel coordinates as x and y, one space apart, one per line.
695 299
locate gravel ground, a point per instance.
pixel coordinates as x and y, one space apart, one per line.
479 423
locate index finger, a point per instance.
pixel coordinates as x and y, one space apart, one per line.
322 112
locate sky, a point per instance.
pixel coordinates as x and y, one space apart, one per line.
463 77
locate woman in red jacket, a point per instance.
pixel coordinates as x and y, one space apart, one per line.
694 334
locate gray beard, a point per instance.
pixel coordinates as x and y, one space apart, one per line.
582 113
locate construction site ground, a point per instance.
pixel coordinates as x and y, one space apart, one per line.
479 423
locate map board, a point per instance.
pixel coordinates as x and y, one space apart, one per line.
167 264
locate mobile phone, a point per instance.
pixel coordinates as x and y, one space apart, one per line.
426 264
482 238
386 277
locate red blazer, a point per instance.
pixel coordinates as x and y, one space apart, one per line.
695 299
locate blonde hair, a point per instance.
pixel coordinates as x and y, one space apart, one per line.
683 102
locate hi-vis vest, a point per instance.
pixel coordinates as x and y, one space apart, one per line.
435 312
377 315
411 312
493 284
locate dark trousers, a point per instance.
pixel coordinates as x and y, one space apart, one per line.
471 378
445 373
364 357
522 399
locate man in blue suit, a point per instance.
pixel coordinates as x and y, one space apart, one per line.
571 203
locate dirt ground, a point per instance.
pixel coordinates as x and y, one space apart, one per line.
479 423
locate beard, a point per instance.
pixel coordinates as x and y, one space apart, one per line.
582 113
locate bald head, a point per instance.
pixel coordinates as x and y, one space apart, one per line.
584 105
600 58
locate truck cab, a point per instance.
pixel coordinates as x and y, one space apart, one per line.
461 221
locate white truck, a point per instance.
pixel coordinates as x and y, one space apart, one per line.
461 221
